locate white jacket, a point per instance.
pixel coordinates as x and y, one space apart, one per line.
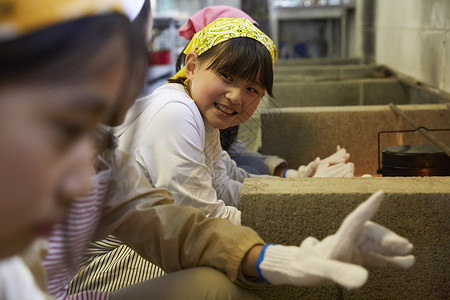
168 137
16 281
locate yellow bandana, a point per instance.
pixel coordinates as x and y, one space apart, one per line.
19 17
224 29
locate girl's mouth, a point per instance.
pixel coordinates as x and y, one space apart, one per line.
225 110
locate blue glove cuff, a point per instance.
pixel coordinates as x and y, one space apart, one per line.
284 173
260 259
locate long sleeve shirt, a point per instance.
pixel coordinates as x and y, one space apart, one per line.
180 151
124 203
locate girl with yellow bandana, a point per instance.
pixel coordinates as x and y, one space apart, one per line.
174 133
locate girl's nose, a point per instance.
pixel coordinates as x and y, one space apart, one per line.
79 171
234 95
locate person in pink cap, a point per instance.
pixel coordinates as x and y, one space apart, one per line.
252 162
249 162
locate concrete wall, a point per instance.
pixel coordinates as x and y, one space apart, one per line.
306 93
409 36
327 61
368 91
365 30
300 134
287 211
295 73
310 91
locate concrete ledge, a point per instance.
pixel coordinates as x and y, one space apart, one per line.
316 61
289 210
300 134
295 73
338 93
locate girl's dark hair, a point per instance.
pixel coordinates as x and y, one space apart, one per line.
243 57
228 136
139 66
139 24
31 54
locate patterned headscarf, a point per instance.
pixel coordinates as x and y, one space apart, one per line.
224 29
19 17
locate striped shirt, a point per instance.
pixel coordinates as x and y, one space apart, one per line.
70 239
111 265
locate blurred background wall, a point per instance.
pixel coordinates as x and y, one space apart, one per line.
411 37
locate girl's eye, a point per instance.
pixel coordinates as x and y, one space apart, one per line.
72 131
252 90
227 77
68 133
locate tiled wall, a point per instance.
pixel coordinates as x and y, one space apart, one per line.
413 38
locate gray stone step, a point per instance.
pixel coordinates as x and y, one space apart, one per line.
289 210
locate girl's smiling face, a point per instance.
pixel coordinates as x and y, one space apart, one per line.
223 100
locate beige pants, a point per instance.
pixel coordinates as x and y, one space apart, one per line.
196 283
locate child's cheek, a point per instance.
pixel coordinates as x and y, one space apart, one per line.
250 108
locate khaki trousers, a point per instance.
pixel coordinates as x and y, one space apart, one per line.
190 284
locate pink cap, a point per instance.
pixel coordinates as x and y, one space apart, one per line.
208 14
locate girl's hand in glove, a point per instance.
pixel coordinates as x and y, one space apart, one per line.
332 166
340 156
338 170
303 171
335 165
337 258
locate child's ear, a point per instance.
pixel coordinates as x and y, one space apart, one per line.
191 63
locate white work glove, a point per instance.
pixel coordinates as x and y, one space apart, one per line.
320 168
338 170
303 171
340 156
337 257
325 167
335 165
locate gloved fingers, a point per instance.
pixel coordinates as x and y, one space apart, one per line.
352 226
323 169
309 243
379 260
340 170
347 275
303 172
363 213
337 170
384 241
339 156
291 173
308 170
350 171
